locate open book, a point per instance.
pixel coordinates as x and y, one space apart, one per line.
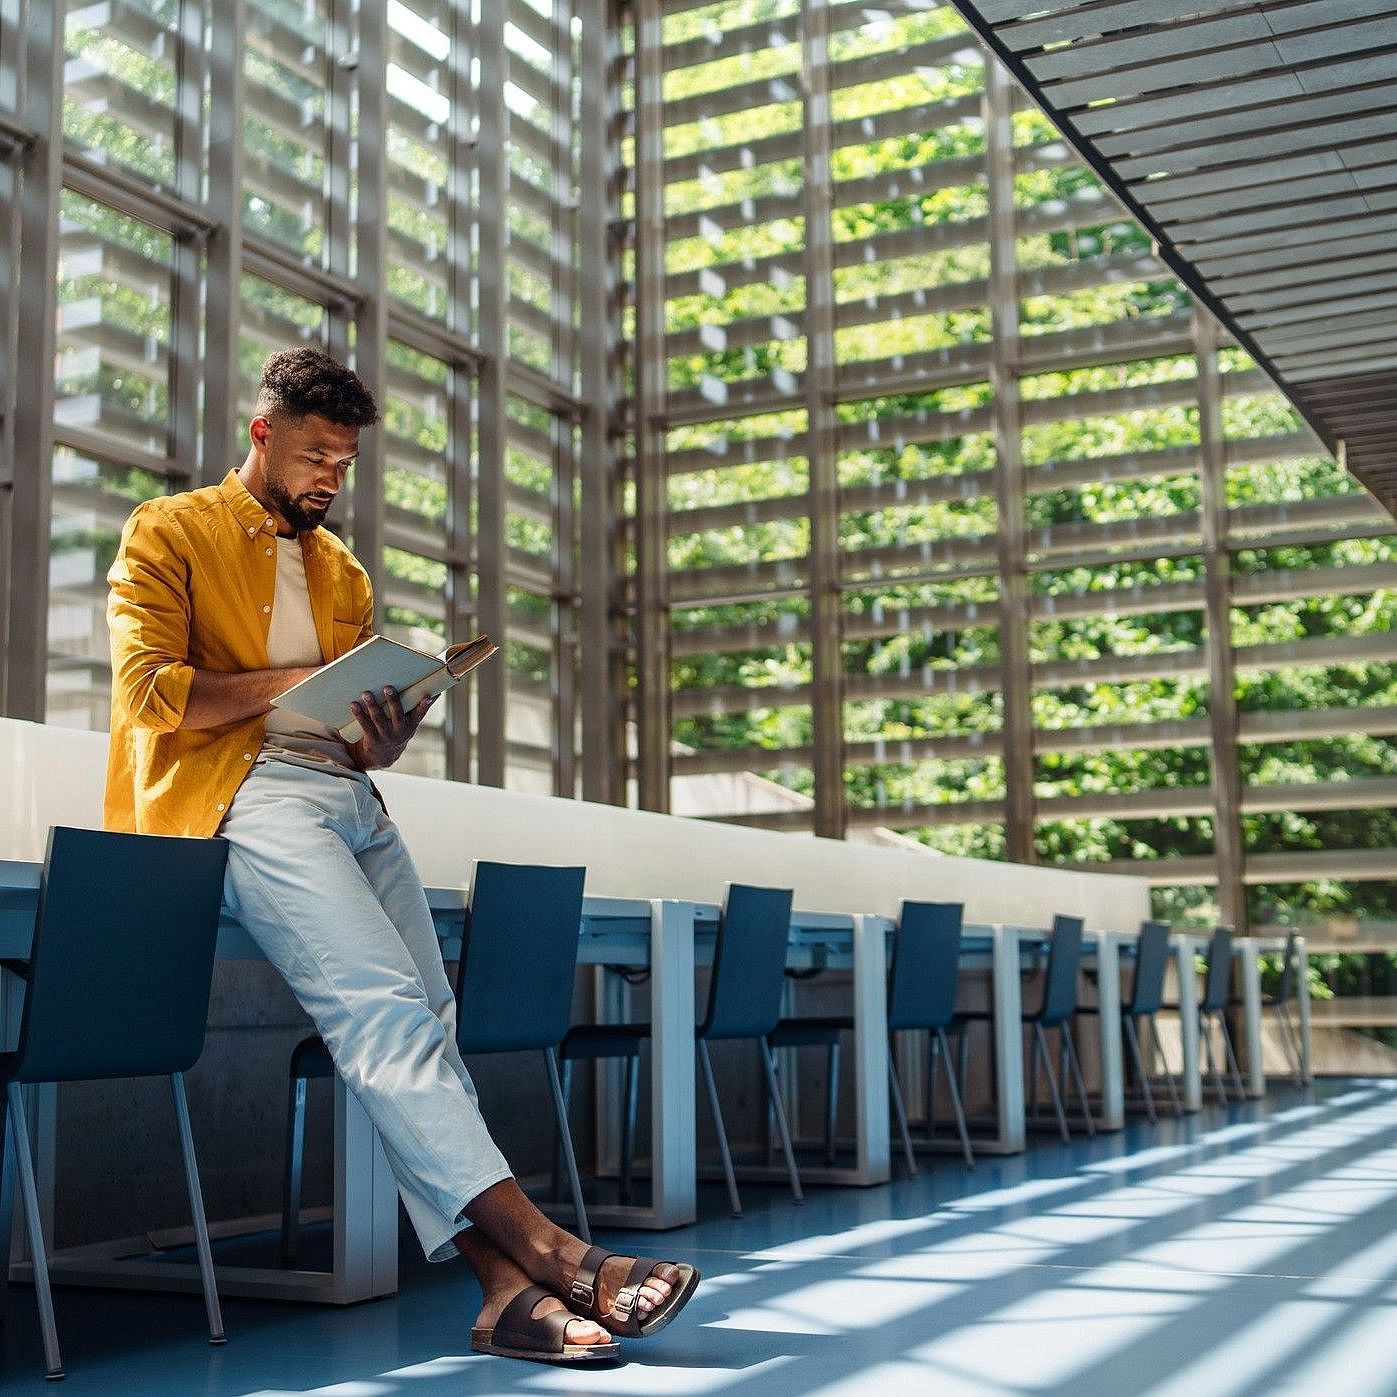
377 664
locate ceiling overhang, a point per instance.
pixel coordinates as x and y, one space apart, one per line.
1257 143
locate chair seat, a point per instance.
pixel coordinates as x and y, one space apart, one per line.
311 1059
586 1041
813 1031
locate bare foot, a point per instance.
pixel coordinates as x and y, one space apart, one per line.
578 1331
657 1287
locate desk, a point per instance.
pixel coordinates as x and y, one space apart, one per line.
658 934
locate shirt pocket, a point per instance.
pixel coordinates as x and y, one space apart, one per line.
344 636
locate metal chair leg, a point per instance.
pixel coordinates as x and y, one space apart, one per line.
1074 1064
900 1110
1231 1057
934 1040
34 1230
1164 1068
962 1128
196 1207
1212 1061
706 1064
1042 1041
1138 1062
1291 1044
628 1136
295 1160
555 1184
769 1062
550 1058
1033 1077
7 1200
831 1101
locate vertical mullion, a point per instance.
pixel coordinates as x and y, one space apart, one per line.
185 353
652 616
462 382
563 609
10 28
602 775
31 511
224 249
493 432
371 327
336 252
1012 534
821 458
1217 591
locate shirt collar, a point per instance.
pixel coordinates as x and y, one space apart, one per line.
249 513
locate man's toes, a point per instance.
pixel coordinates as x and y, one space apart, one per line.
584 1331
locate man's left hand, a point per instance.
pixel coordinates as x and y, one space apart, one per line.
387 729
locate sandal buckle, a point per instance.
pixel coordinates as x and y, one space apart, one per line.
625 1303
582 1293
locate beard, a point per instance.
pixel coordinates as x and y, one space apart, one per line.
296 510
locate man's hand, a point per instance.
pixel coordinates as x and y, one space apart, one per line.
387 729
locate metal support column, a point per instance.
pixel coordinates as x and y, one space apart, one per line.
603 730
461 385
652 616
492 135
825 610
1217 584
564 426
1012 538
41 183
367 63
186 349
223 443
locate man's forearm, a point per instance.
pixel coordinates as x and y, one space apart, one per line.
216 698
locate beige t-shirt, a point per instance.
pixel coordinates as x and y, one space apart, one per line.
291 643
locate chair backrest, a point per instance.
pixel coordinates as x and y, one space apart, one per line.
1287 985
518 957
122 956
926 965
1151 961
1217 977
749 963
1060 982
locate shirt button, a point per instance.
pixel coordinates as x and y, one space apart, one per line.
271 524
251 530
267 610
247 756
220 806
269 552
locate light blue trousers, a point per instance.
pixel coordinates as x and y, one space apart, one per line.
321 879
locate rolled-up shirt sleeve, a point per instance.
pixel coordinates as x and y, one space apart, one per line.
148 618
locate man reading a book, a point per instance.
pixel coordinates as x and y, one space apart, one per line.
221 599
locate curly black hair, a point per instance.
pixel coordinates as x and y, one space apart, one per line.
306 381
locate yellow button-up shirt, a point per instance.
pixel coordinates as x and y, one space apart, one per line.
192 588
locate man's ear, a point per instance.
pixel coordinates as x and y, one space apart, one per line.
257 430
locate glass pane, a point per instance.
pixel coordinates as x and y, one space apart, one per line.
285 127
91 501
119 83
112 375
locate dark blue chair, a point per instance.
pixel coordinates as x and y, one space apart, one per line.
922 983
1056 1009
116 985
744 1001
1213 1007
1144 1002
1279 1003
513 994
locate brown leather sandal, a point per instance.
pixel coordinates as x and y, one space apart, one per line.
624 1318
519 1333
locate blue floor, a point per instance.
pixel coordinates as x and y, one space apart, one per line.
1243 1251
